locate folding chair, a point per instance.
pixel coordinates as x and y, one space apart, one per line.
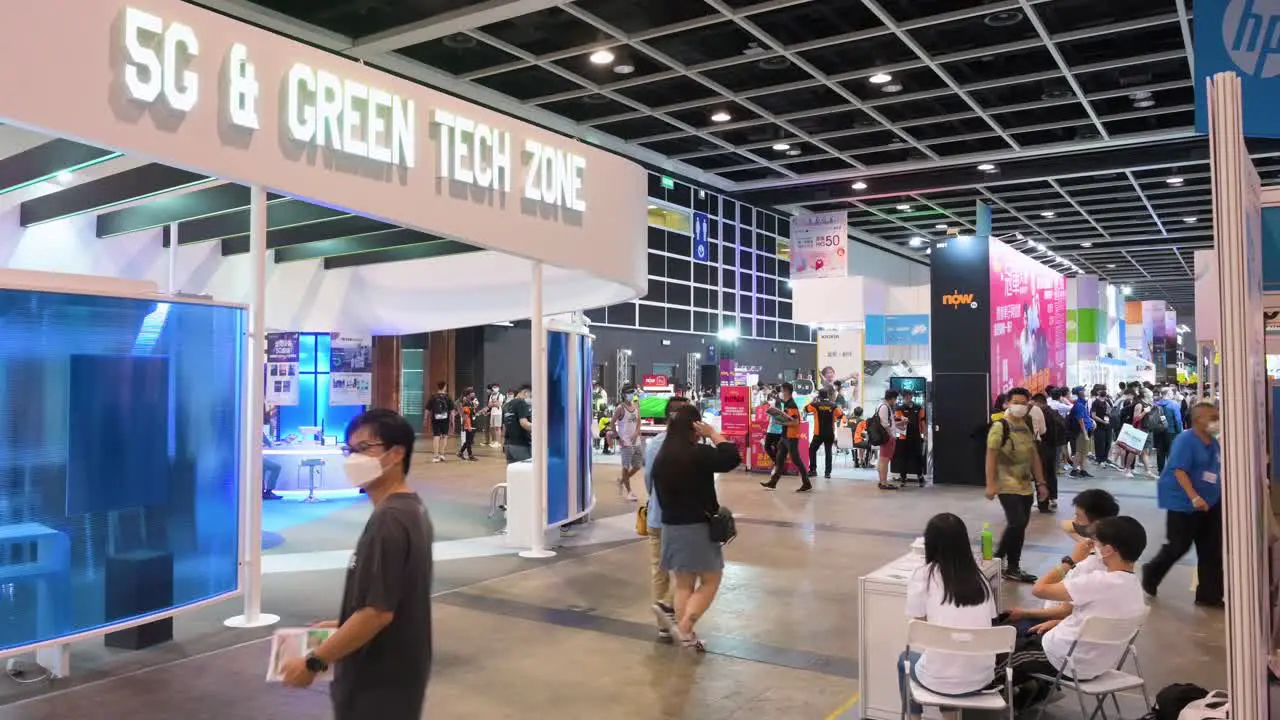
844 444
959 641
1103 631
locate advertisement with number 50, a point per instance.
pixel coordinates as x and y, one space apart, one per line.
819 246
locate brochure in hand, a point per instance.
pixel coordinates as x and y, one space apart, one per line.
292 643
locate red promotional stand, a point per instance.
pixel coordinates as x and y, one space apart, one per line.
756 457
735 416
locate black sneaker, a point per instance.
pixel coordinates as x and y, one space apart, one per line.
1213 604
1018 575
269 495
1073 473
770 484
1084 474
805 488
1147 586
887 486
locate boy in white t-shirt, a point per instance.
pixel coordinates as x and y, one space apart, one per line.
1114 592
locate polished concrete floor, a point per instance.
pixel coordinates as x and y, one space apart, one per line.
572 637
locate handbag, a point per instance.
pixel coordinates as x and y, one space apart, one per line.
642 521
1214 706
721 526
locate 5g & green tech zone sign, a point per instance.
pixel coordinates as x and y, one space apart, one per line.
322 109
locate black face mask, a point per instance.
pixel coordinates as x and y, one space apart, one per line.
1084 530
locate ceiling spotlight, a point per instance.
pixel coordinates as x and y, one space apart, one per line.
1111 266
781 147
1086 245
917 242
64 177
1126 290
859 185
1144 104
892 87
721 117
793 152
880 78
1189 220
1140 95
653 207
1174 181
940 227
904 208
1003 18
1047 214
624 69
601 57
987 167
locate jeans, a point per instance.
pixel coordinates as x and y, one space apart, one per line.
1182 530
820 441
518 453
789 446
1102 443
1017 513
1163 442
270 474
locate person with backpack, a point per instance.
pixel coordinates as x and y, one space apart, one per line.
1164 423
1015 476
1103 432
1081 426
882 433
440 410
1051 434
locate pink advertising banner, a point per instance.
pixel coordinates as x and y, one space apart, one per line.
1028 322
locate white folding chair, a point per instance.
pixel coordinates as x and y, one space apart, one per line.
1112 632
844 444
922 636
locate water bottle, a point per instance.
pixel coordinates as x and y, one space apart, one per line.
986 541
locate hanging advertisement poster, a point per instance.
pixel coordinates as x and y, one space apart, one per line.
282 369
840 355
350 370
819 245
1028 322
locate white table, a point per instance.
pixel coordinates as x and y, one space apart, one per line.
294 477
882 631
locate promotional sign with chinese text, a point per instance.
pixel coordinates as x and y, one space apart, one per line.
1028 322
819 245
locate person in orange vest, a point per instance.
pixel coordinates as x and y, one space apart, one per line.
908 456
861 448
825 415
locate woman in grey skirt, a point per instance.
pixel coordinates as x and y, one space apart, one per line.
684 478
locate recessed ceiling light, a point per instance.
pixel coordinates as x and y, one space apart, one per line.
1047 214
939 227
1144 104
1056 93
880 78
624 69
1126 290
1187 220
917 242
859 185
986 167
777 62
653 207
1003 18
1086 244
64 177
1139 95
793 152
781 147
460 41
892 87
721 117
928 251
904 208
601 57
596 99
1111 266
1174 181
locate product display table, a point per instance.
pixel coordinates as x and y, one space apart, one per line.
35 552
293 476
882 631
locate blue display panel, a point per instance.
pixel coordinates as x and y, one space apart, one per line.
586 361
313 409
556 426
120 427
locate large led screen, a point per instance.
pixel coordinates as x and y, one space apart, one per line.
1028 322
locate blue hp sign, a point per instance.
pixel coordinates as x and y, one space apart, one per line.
1240 36
701 251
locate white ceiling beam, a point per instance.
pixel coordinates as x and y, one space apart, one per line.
445 24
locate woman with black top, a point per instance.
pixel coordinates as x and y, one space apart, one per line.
684 478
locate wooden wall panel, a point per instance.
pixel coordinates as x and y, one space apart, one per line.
386 372
441 366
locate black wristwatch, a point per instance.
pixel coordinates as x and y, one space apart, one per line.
315 664
1066 560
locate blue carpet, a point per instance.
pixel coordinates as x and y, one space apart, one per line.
271 540
280 515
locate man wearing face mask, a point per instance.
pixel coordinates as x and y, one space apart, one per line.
1190 492
1013 475
381 652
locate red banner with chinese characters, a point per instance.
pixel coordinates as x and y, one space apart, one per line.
735 410
1028 322
655 382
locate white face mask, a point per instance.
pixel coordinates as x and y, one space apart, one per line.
1017 411
362 469
1213 429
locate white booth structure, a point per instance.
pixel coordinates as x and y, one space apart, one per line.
446 215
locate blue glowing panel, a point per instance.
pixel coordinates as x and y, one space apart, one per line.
120 427
307 353
586 361
556 426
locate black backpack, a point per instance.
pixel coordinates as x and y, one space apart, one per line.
1171 700
1055 428
439 405
1117 416
877 433
1157 420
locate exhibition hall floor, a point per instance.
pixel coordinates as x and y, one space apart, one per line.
572 637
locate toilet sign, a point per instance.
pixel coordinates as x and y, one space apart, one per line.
701 250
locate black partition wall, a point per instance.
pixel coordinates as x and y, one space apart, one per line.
961 357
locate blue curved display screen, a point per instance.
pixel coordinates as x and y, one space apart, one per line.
559 385
120 440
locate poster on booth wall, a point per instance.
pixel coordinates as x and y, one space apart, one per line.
840 356
756 458
1028 322
282 368
350 369
819 245
735 416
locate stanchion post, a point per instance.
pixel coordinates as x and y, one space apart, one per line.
538 363
251 475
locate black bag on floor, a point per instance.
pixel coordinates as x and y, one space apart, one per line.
1173 698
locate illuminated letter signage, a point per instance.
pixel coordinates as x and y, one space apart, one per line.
150 75
349 116
958 300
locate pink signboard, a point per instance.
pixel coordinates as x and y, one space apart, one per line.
1028 322
735 410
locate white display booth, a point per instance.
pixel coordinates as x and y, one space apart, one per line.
560 225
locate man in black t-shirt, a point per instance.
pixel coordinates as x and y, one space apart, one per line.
381 650
517 427
440 411
825 416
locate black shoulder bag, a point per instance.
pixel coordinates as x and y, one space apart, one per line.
721 525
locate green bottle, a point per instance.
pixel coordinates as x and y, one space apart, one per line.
986 541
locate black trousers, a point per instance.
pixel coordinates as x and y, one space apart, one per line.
1049 464
270 474
789 447
1101 443
468 439
1162 441
1182 530
517 453
827 441
771 446
1017 513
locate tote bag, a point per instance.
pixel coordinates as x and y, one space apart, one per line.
1214 706
1131 438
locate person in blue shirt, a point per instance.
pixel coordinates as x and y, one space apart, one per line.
1190 491
1163 439
661 580
1080 425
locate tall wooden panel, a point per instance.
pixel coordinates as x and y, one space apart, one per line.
441 366
386 372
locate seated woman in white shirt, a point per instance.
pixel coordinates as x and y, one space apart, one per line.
949 590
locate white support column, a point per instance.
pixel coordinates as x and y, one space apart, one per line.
173 258
538 363
251 475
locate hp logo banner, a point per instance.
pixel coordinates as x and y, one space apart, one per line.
1240 36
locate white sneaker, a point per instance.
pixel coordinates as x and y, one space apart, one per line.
1128 473
438 459
631 497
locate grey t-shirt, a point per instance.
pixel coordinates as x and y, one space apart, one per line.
390 570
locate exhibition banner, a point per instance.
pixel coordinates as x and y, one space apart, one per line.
728 370
735 410
282 368
1239 36
350 369
840 355
1028 322
819 245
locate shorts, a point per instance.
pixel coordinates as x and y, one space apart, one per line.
439 427
632 457
886 450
